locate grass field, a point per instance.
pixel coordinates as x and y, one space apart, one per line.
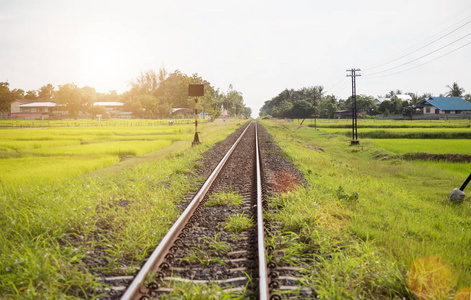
372 123
29 155
371 228
53 219
409 133
426 145
373 221
16 124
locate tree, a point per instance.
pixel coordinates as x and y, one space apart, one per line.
282 110
248 112
31 95
328 106
18 93
74 98
364 103
46 92
455 90
414 98
94 110
6 98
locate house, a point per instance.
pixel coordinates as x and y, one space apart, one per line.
15 105
444 105
32 110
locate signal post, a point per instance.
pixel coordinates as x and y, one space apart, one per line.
196 90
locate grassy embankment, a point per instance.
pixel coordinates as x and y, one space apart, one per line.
378 228
54 224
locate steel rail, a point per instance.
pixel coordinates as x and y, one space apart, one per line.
262 261
137 289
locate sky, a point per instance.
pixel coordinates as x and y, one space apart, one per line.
260 47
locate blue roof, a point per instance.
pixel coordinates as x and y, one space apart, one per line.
447 103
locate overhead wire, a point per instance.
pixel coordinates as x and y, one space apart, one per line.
422 47
469 43
416 59
426 45
334 86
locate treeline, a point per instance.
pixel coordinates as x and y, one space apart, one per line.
309 102
152 95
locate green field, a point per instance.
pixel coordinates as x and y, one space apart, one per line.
53 219
378 217
426 145
362 221
17 124
373 123
37 155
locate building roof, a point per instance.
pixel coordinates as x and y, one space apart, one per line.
39 104
404 97
446 103
182 110
108 104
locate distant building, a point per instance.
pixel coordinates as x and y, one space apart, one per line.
183 112
32 110
444 105
15 105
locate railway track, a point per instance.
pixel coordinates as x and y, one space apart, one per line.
221 245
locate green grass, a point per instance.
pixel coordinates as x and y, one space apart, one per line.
23 144
37 155
112 148
50 230
372 123
427 146
105 123
23 171
405 133
238 223
225 198
191 290
359 210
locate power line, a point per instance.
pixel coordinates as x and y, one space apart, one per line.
428 44
334 86
424 62
411 61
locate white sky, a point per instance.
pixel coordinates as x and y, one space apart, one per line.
260 47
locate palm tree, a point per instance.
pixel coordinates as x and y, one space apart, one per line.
455 90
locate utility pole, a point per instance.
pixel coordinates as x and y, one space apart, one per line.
353 74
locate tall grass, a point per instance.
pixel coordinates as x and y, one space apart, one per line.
50 231
393 207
